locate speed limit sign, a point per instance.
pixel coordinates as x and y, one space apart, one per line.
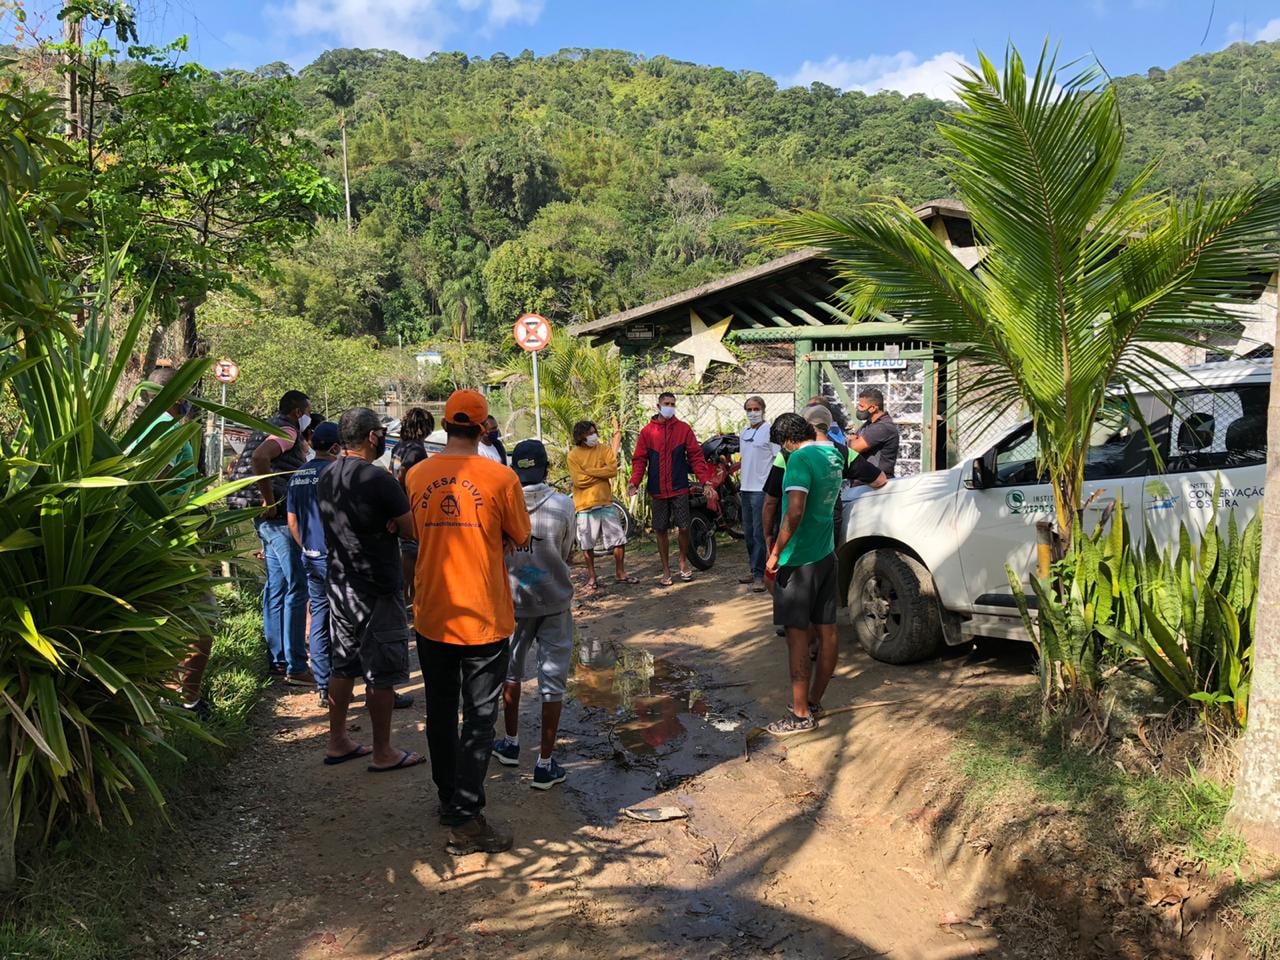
225 371
532 332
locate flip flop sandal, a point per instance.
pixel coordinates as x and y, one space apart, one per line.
626 579
360 751
400 764
665 581
686 576
654 814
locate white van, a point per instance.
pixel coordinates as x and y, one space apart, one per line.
922 560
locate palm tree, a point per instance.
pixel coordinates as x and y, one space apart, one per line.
1084 283
1255 805
340 91
460 300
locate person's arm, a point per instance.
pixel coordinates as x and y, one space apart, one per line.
862 471
294 530
260 461
869 439
616 443
796 500
402 526
395 503
607 471
516 527
768 513
639 460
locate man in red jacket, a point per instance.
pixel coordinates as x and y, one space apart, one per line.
668 449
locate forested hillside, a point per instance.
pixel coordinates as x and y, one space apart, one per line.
589 180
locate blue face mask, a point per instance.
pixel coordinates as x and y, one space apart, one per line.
492 436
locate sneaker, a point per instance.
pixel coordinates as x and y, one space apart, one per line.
508 753
303 679
324 700
757 586
476 836
403 702
816 711
276 669
544 778
791 724
201 709
747 579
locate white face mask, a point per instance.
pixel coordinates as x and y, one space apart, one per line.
593 439
304 421
755 417
667 412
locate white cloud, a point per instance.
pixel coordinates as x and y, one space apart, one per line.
502 12
1268 31
413 27
904 72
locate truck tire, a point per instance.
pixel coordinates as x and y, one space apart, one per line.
894 607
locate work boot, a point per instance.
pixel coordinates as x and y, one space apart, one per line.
477 836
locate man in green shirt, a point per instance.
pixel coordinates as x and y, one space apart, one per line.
803 561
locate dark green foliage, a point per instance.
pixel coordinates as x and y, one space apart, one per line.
477 180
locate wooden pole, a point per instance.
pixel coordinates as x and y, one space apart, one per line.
73 36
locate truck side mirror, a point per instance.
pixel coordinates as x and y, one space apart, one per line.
982 474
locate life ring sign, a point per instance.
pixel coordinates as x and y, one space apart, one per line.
225 371
532 332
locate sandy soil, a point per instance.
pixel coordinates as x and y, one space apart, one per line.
820 846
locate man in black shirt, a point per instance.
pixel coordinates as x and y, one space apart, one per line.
877 439
364 510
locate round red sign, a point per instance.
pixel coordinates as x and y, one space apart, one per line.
532 332
225 371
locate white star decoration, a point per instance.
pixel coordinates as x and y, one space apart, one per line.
704 344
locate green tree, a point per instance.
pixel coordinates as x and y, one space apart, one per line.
206 180
1084 282
341 92
276 353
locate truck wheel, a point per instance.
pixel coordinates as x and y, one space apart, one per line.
894 607
702 541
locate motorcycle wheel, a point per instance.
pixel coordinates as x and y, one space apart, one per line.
702 541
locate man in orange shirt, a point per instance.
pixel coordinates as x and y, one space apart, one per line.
468 512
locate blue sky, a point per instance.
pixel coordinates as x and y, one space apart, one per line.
910 45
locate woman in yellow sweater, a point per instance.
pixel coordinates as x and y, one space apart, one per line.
592 467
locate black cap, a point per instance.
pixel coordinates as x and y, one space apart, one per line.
529 461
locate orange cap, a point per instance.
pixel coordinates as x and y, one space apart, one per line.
466 408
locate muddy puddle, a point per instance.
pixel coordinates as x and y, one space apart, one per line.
643 723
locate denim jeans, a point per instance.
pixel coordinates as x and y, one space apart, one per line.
753 528
317 569
460 760
284 597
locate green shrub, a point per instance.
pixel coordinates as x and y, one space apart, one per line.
103 550
1189 613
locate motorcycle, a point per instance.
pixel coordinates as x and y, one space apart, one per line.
704 522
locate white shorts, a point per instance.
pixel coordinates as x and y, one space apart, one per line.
602 528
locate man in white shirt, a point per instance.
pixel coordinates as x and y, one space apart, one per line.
757 454
491 442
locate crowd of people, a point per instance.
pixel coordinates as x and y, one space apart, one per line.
471 547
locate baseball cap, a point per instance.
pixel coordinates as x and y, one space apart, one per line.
466 408
326 435
818 415
529 461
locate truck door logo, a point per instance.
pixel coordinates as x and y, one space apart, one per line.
1015 501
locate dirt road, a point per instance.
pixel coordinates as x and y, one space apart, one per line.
811 847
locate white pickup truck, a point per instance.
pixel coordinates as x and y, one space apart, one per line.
922 560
